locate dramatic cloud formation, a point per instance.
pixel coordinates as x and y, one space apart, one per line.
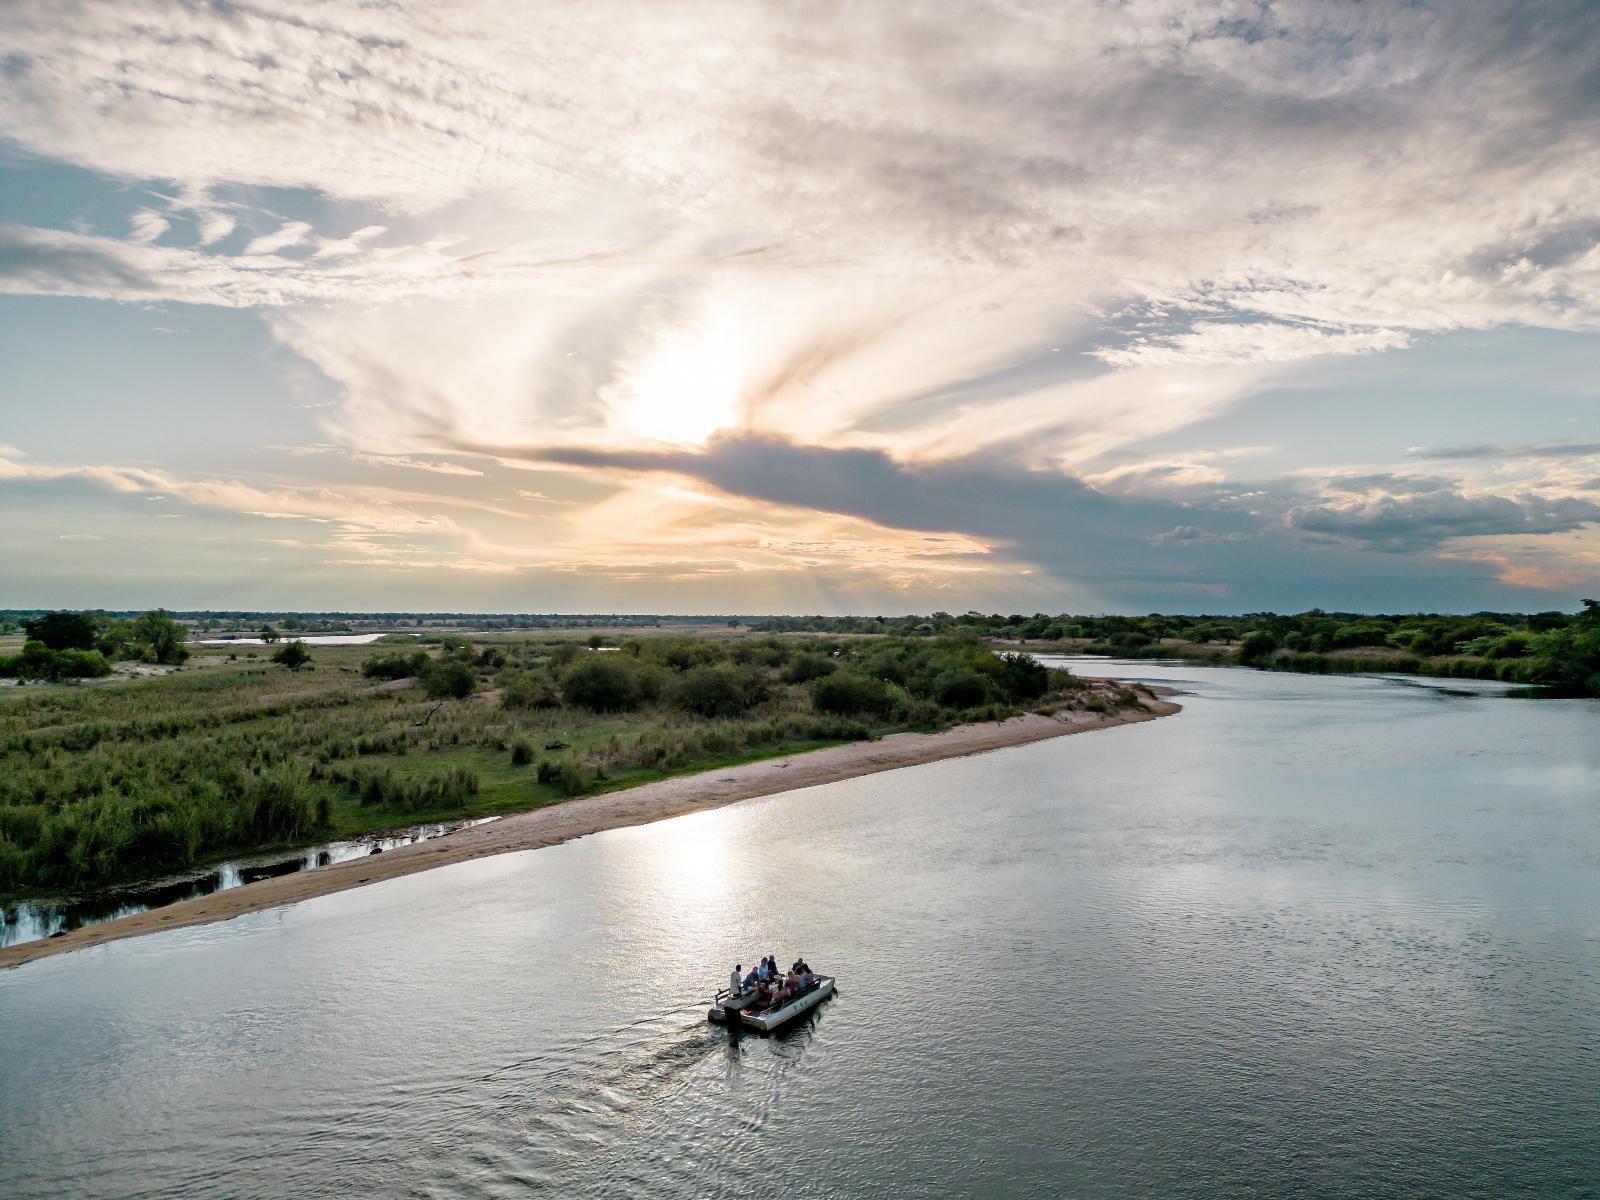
970 294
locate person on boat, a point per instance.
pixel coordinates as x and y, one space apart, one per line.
801 967
736 978
752 979
761 971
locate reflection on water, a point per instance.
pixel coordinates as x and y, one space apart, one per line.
1313 937
30 920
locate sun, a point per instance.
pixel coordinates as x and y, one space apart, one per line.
685 389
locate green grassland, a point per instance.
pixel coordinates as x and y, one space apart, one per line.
227 753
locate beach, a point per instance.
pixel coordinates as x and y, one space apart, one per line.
557 823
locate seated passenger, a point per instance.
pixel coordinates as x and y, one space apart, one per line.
751 980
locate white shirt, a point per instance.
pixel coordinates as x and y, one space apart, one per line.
733 981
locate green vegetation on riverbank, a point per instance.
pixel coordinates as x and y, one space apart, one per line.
1553 649
230 753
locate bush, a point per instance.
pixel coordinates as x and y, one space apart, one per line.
293 655
521 752
530 689
1022 678
565 774
37 661
712 691
1257 646
961 689
602 683
846 693
396 666
803 668
450 679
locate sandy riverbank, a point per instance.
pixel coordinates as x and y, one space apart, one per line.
591 814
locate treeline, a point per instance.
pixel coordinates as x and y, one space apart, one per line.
902 681
67 645
247 622
1553 648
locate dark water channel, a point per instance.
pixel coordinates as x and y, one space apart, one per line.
29 920
1312 937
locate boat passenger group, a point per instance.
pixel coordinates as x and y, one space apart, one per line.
770 987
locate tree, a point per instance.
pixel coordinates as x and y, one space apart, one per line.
293 655
530 689
961 688
268 634
157 637
1257 646
396 666
846 693
1023 677
602 683
713 691
450 679
62 631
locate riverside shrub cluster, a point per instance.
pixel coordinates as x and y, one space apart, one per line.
1553 648
143 777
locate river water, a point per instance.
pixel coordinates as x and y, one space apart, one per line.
1312 937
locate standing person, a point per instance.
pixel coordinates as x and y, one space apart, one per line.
736 978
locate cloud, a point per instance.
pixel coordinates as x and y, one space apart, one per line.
212 226
1486 450
1407 522
290 233
833 262
1255 342
147 225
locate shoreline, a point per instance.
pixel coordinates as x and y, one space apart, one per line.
558 823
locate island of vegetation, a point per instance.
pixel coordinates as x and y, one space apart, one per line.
1555 650
182 754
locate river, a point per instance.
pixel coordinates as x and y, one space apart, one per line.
1315 936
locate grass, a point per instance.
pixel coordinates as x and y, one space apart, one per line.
121 779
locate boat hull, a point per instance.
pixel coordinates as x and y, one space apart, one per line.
766 1022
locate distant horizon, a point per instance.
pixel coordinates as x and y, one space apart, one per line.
533 614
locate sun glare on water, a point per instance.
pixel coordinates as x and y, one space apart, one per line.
685 390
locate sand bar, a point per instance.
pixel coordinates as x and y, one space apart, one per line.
590 814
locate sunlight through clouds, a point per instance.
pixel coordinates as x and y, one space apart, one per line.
1080 253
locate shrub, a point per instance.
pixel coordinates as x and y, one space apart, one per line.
293 655
963 688
530 689
1022 677
712 691
565 774
847 693
450 679
602 683
803 668
396 666
521 752
1257 646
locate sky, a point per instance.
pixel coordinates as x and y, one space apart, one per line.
836 307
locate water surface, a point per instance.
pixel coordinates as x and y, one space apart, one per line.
1313 937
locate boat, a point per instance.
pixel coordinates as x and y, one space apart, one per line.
733 1008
